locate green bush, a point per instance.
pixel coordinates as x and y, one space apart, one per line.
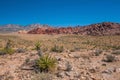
46 63
58 49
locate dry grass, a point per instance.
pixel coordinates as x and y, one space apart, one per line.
69 42
79 61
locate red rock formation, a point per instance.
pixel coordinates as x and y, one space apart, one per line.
105 28
68 30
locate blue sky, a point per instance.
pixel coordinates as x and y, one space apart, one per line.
59 12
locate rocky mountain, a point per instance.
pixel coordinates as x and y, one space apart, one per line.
10 28
105 28
15 28
33 26
51 30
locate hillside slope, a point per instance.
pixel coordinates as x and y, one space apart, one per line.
105 28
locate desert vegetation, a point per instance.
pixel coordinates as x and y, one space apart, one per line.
59 57
46 63
67 41
7 49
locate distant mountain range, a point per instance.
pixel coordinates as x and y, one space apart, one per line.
15 28
10 28
104 28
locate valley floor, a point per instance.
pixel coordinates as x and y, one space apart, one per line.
83 57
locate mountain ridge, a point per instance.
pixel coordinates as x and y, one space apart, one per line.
103 28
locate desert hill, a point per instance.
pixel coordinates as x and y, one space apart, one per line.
8 28
105 28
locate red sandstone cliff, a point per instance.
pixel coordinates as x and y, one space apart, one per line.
105 28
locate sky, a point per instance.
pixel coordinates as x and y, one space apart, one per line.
59 12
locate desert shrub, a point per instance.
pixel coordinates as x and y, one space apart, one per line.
68 66
46 63
58 49
72 50
110 58
44 49
37 46
1 52
21 50
86 42
42 76
40 53
115 47
98 52
7 49
8 44
27 60
77 48
117 52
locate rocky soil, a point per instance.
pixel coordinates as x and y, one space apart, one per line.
78 65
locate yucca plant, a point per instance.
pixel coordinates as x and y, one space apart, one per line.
46 63
37 46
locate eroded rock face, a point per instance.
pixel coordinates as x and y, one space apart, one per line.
105 28
50 30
